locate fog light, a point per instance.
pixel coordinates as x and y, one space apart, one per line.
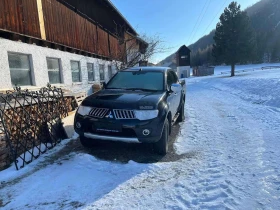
78 125
146 132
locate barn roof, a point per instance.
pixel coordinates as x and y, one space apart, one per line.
184 47
103 12
120 14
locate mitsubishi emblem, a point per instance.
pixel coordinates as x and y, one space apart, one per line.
109 115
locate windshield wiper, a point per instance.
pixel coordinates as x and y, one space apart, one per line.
115 88
142 89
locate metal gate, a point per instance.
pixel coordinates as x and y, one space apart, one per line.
31 121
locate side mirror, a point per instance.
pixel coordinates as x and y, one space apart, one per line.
175 87
103 85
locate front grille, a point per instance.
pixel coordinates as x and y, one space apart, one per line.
98 112
124 114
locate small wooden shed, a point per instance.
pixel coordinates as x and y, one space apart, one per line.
183 56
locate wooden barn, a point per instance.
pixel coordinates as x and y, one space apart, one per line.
183 56
71 43
183 60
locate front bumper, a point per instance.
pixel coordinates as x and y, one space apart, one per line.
112 138
131 130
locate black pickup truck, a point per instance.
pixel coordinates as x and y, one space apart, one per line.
138 104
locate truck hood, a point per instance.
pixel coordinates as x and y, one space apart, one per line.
124 99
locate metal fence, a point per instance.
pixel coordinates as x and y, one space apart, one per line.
251 69
31 121
203 71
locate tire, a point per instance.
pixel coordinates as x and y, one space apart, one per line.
161 147
181 117
88 143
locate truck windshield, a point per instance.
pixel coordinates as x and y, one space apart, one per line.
140 80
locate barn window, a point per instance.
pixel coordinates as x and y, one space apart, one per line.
110 73
101 72
76 71
90 69
20 69
54 70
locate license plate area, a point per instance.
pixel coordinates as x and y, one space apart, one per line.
101 127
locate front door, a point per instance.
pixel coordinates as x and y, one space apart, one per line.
178 92
174 98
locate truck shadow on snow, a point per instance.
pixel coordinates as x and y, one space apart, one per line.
108 151
141 153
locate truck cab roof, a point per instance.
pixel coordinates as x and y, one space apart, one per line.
148 68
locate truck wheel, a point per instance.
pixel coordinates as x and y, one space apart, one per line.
181 117
161 147
86 142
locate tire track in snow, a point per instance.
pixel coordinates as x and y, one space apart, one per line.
242 156
211 189
228 171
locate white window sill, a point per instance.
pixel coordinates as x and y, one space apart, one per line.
77 83
92 82
58 85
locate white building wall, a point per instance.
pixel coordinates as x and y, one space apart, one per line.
39 69
183 70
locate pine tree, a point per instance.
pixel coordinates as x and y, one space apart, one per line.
275 52
234 40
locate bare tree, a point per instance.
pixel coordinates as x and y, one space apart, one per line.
134 49
155 46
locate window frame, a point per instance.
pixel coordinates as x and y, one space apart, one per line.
29 59
59 69
93 71
79 66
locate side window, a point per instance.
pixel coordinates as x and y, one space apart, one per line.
54 70
175 78
76 71
101 72
169 78
20 69
110 73
90 69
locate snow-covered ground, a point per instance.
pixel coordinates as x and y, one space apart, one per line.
231 138
238 68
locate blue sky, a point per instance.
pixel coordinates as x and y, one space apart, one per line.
177 22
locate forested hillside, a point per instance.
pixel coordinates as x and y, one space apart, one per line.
265 20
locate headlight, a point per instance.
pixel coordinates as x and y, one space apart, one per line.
84 110
145 114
